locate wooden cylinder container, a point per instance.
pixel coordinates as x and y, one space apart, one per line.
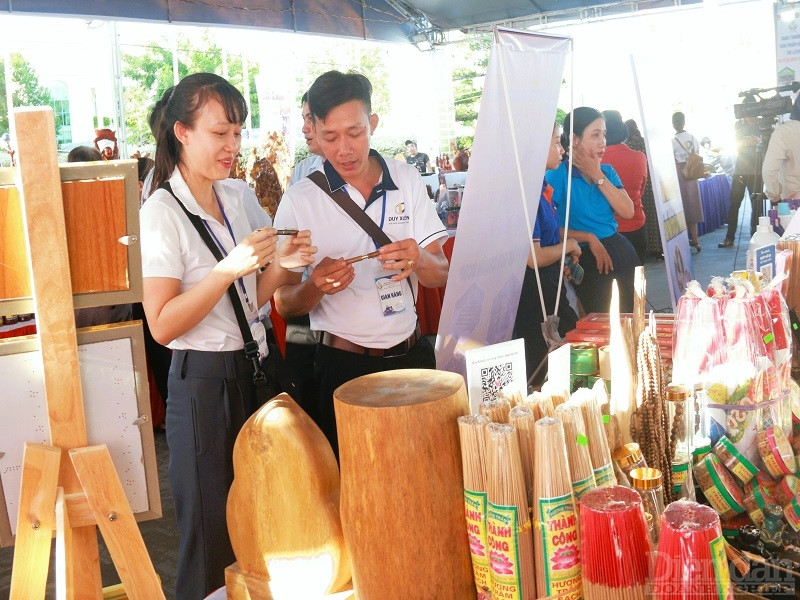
402 493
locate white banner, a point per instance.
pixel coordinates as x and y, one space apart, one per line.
787 42
512 137
656 108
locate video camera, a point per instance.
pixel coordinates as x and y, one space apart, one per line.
756 106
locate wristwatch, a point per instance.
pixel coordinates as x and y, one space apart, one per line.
601 181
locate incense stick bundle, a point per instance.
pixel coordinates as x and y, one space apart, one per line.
514 397
598 442
472 431
508 519
557 539
541 405
522 419
691 535
615 545
558 395
495 410
580 463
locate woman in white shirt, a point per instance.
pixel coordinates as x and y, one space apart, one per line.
683 144
211 386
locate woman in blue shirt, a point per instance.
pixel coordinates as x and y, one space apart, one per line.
597 197
547 244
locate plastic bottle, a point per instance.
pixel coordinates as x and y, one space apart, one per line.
764 236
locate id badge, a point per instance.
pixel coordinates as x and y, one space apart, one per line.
391 294
259 333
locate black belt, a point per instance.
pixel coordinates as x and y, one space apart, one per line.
340 343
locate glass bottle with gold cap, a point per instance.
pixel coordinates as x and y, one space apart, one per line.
680 412
701 444
628 457
648 483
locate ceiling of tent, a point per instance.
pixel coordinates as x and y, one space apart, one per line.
383 20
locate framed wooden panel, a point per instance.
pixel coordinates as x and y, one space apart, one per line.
101 213
116 403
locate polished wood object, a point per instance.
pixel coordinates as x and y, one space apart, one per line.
283 509
402 487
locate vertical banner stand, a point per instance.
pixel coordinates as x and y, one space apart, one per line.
67 487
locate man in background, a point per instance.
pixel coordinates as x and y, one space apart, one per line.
315 159
419 160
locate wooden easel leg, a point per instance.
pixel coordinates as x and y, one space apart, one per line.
35 522
65 583
116 522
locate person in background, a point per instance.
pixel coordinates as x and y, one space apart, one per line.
314 161
419 160
548 246
598 197
636 142
211 386
745 178
631 166
461 160
363 313
84 154
683 144
781 168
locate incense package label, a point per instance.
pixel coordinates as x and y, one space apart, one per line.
719 561
501 525
604 476
579 488
679 473
475 513
558 525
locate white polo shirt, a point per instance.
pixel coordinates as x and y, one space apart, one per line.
171 247
355 313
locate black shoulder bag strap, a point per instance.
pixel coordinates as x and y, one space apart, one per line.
351 208
250 345
346 203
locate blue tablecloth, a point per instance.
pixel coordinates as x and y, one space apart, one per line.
715 194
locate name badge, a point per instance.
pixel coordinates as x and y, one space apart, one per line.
391 294
259 333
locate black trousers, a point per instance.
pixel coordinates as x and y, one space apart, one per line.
740 184
595 290
334 367
211 395
638 239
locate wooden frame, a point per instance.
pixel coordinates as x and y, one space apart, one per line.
105 333
126 170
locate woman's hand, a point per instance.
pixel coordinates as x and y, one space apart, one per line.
587 164
296 251
253 252
601 256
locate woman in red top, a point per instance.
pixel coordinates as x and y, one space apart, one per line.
631 166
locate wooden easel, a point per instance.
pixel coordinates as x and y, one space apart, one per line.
67 487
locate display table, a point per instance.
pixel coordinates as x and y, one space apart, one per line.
715 194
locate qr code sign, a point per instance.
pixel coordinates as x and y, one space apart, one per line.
494 379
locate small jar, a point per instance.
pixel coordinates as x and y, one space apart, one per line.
787 488
719 487
680 412
792 513
776 451
756 503
649 484
738 464
629 457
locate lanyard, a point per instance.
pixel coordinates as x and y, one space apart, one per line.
383 210
222 248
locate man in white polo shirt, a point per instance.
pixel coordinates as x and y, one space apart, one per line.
364 313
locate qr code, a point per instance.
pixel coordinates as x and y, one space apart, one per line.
494 379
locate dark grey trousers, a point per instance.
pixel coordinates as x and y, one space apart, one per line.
211 395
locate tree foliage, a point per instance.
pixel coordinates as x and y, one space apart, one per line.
27 91
468 79
149 75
